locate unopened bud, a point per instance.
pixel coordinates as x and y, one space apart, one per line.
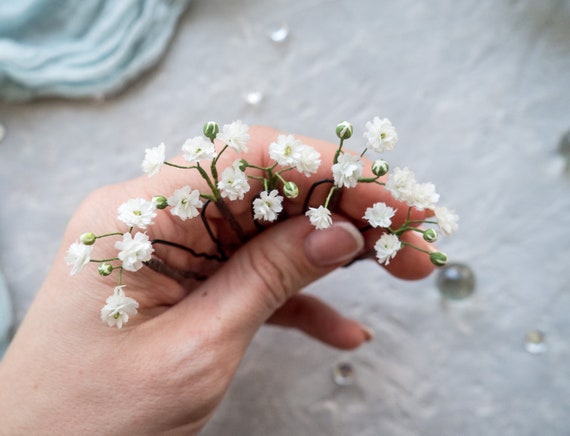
160 201
243 165
438 258
291 190
344 130
87 238
105 269
430 235
380 167
211 129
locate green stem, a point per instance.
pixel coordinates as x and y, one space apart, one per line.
109 234
338 151
104 260
329 196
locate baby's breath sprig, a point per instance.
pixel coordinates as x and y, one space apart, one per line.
231 183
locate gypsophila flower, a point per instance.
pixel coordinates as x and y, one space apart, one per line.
309 160
118 308
198 148
134 251
320 217
380 135
447 220
423 196
153 159
137 212
379 215
185 203
347 170
400 183
285 151
234 183
235 135
387 247
78 255
267 206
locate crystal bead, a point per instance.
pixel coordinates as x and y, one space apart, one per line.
535 342
456 281
343 374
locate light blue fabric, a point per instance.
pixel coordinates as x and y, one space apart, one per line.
80 48
6 315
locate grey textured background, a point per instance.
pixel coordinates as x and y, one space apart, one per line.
479 91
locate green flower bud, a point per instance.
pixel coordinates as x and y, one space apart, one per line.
291 190
105 269
344 130
430 235
438 258
211 129
243 164
380 167
87 238
160 201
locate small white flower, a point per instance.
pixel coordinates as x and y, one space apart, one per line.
234 183
78 255
423 195
235 135
285 151
197 149
400 183
185 203
387 247
379 215
267 206
309 160
137 212
118 308
134 251
347 170
447 220
153 159
380 135
320 217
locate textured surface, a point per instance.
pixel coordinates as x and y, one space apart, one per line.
479 92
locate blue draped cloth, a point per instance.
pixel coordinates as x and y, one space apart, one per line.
80 48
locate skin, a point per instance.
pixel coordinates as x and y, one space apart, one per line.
166 371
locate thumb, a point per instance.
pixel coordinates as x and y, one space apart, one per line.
263 274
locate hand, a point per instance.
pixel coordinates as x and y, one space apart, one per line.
66 372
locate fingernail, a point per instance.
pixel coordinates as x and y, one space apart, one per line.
336 245
368 332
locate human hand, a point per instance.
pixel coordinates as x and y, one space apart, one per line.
167 370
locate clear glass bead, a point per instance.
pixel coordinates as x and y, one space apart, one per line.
535 342
343 374
254 98
280 34
456 281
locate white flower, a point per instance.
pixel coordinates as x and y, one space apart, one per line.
387 247
153 159
347 170
379 215
320 217
380 135
309 160
288 151
423 195
403 186
198 148
118 308
400 183
285 151
235 135
185 203
234 183
78 255
137 212
134 251
447 220
267 206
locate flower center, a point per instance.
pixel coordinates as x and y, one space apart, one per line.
137 212
383 135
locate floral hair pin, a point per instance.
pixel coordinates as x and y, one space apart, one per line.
287 153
